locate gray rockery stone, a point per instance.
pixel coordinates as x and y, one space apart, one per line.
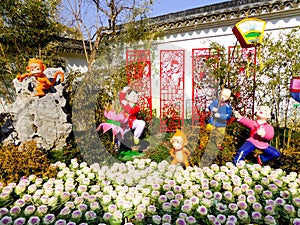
42 119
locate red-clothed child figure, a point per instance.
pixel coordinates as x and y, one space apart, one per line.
128 99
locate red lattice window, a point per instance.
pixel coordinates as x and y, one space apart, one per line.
243 63
171 89
205 85
138 66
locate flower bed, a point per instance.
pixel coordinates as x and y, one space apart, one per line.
145 192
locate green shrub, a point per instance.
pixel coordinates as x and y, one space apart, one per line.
234 137
70 151
159 153
19 161
290 156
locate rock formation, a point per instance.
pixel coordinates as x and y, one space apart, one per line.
42 119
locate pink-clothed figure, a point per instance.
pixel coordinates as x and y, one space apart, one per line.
260 134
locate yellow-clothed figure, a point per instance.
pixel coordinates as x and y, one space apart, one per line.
36 69
179 152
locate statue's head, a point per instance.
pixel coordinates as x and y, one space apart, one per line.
35 66
264 112
132 95
179 140
225 94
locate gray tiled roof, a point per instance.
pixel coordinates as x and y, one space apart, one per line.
226 13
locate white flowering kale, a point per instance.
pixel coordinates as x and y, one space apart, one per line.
144 192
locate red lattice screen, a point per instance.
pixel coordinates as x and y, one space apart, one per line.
171 89
205 86
243 60
138 66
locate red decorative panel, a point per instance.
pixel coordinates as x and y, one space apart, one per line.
171 89
138 66
205 86
243 62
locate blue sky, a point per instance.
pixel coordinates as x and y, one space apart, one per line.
162 7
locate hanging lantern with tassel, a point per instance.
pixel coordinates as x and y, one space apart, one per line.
249 32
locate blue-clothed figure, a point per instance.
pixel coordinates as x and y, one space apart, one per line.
222 112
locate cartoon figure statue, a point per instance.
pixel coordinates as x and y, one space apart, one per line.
221 112
179 152
128 99
260 133
36 68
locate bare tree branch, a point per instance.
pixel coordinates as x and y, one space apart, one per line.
106 18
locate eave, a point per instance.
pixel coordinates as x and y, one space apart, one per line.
267 10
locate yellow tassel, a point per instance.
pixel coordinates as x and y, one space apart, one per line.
261 66
247 68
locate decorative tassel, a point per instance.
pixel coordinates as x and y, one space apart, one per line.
261 65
